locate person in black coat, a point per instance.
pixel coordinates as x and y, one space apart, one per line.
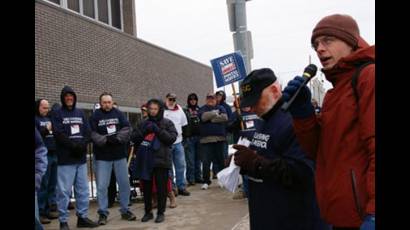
154 137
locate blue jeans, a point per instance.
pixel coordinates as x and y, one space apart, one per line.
37 223
103 171
47 193
67 176
193 160
178 159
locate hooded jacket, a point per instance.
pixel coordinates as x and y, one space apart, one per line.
109 123
71 131
166 136
191 112
342 141
41 125
225 105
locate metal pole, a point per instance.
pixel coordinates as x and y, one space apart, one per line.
242 39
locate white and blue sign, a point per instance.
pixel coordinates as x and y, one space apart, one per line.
228 69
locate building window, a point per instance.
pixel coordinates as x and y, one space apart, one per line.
55 1
103 11
88 7
116 13
134 118
74 5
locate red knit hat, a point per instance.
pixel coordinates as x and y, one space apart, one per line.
341 26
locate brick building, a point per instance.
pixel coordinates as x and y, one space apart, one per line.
91 45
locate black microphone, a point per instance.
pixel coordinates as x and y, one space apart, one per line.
308 73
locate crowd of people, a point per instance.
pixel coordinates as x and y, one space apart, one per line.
307 168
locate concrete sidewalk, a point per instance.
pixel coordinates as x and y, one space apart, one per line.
205 209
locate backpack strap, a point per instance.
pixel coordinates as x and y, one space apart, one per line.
356 76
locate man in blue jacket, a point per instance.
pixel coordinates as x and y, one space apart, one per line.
110 132
281 192
72 134
47 195
213 136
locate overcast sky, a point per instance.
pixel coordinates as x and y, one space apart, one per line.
281 29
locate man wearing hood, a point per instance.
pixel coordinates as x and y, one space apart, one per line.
110 133
191 139
72 134
342 139
154 137
47 195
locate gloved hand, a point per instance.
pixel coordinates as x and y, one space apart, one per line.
246 158
113 140
368 223
151 127
301 106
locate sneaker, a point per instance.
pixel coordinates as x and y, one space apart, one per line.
183 192
64 226
86 223
160 218
204 186
44 220
102 219
128 216
147 217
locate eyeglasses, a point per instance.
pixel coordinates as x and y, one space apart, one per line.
325 41
171 99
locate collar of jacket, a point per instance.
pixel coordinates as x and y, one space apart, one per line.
272 111
346 64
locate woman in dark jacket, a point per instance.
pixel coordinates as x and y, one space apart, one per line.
154 137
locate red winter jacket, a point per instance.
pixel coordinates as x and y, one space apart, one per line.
342 141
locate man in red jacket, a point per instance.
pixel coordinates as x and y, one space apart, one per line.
342 139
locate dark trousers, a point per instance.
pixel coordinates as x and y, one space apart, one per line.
212 152
161 179
112 189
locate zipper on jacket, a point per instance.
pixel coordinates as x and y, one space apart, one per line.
356 195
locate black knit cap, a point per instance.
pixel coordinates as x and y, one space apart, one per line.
253 85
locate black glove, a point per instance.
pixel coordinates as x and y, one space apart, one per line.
254 164
246 158
151 127
113 140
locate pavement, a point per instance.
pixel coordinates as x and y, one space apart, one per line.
204 209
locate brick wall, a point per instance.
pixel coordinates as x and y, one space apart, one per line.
92 58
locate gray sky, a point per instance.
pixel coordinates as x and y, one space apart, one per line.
281 29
